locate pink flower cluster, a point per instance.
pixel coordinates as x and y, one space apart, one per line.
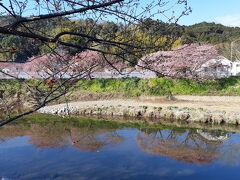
184 61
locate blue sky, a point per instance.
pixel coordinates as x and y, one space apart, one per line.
226 12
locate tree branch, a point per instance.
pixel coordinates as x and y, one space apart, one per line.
61 14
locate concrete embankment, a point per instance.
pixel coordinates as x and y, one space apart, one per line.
154 111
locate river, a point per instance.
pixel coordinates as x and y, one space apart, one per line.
92 150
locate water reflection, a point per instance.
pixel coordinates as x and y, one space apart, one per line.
194 146
57 135
90 151
94 139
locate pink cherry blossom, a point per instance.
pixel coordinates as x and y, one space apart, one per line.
185 61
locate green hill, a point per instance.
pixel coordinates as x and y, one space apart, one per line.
149 31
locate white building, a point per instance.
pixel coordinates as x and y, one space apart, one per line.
220 68
235 69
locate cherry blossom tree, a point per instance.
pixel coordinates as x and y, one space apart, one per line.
88 60
187 61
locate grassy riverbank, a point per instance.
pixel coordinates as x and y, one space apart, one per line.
162 86
137 86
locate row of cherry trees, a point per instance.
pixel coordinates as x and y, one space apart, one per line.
192 61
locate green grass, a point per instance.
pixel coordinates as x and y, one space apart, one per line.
137 86
162 86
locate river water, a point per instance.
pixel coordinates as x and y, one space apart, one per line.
71 150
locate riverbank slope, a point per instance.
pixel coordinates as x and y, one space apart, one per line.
187 108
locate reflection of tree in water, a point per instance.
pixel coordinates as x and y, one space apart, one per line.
197 146
182 145
94 139
59 135
3 139
47 136
40 135
9 132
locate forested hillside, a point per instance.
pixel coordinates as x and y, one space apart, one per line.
210 32
15 48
